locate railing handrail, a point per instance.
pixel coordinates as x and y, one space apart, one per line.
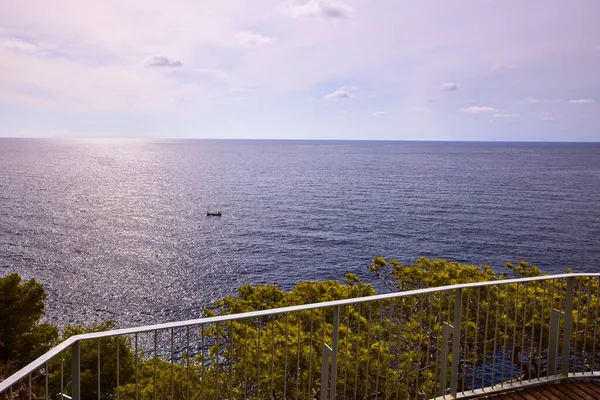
31 367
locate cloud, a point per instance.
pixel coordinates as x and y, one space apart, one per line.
535 100
19 45
506 116
379 113
581 101
548 119
478 110
162 62
338 94
449 87
320 9
248 38
420 109
497 67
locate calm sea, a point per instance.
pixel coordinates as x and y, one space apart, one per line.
118 228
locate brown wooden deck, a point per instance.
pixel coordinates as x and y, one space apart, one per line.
558 391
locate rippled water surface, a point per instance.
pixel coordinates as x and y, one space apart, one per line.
118 229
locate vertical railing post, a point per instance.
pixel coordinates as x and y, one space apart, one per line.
334 353
568 322
325 371
444 357
553 340
75 371
456 342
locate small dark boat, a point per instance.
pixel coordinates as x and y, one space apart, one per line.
213 213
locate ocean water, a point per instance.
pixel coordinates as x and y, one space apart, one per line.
117 229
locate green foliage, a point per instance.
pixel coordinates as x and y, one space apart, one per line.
22 337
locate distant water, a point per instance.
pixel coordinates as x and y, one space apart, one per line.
118 229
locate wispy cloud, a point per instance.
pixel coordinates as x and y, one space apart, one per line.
420 109
319 9
379 113
163 62
248 38
479 110
19 45
338 94
449 87
537 100
581 101
497 67
506 116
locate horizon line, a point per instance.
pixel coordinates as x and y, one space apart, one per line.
296 139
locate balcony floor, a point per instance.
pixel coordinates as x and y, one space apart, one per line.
559 391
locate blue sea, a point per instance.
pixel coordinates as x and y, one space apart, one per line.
117 229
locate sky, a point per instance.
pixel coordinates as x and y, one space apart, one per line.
296 69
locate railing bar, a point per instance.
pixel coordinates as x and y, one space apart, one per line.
335 337
542 325
172 364
47 373
495 353
522 360
310 355
368 348
577 323
595 325
136 368
298 372
285 357
217 363
568 326
514 343
118 367
155 361
418 354
358 323
346 351
273 357
62 368
484 354
29 387
400 321
99 368
475 361
409 351
531 349
203 360
232 356
587 317
506 310
466 349
389 349
458 306
187 354
429 332
437 366
381 318
246 359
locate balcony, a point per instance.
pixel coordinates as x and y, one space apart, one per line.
462 341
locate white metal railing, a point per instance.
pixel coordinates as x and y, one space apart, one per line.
452 341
